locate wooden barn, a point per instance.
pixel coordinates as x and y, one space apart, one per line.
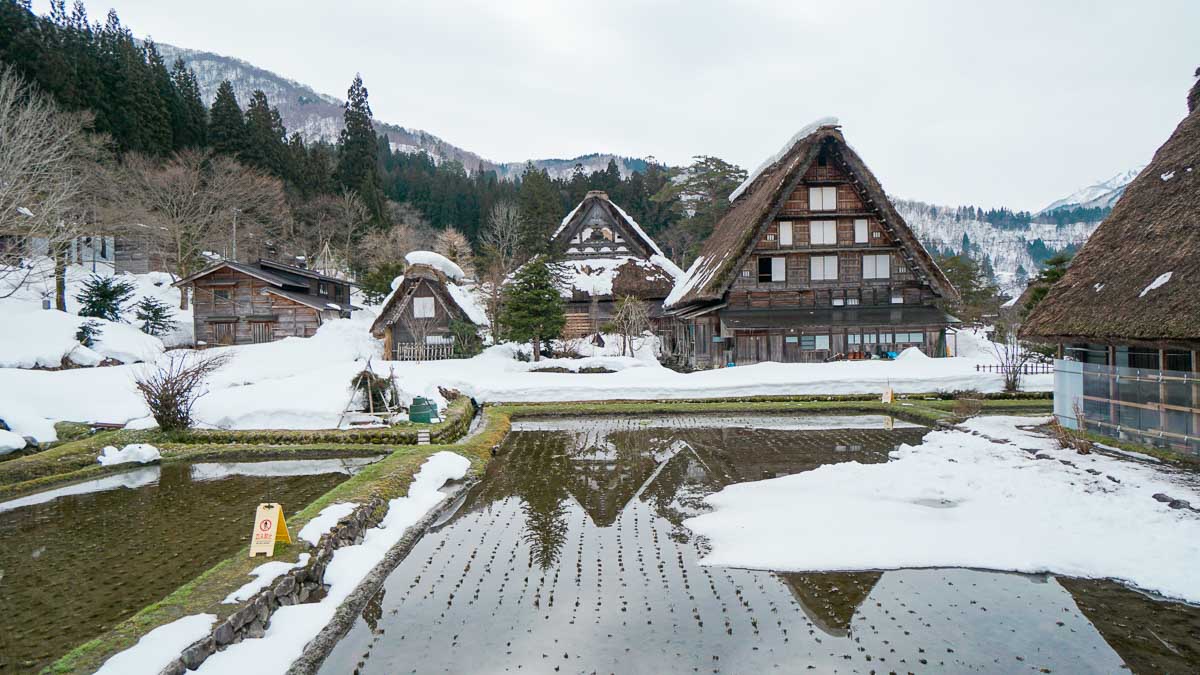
1126 315
811 263
416 322
238 303
605 256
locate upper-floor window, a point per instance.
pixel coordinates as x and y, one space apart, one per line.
860 231
785 233
822 233
822 198
772 269
423 308
824 267
220 295
877 266
322 288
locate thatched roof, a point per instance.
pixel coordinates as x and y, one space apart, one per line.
757 202
1117 291
393 308
598 199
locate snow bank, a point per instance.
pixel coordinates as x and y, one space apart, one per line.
293 627
159 647
974 498
10 442
35 337
142 453
437 261
24 420
329 516
264 575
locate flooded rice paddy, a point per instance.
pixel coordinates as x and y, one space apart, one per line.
571 557
76 560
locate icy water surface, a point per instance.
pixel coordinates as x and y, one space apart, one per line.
571 557
76 560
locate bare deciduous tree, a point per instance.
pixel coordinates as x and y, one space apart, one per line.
39 179
454 246
409 231
631 321
187 204
1012 358
173 388
500 238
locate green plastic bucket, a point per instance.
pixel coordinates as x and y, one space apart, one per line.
421 410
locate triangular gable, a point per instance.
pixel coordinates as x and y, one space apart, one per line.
255 272
757 203
582 232
415 276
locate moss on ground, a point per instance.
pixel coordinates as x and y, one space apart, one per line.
391 477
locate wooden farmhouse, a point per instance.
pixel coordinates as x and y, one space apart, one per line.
1126 315
417 320
606 256
238 303
811 263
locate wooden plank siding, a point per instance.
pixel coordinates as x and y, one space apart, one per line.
236 302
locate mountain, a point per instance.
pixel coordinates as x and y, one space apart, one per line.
1101 195
318 117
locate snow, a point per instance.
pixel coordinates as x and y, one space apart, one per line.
24 211
1098 287
264 575
691 279
1158 282
159 647
24 420
467 299
638 228
971 497
32 337
1102 194
292 627
1167 176
130 479
10 442
1011 302
288 467
566 220
804 132
326 519
142 453
437 261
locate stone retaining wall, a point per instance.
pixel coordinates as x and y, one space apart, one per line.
306 584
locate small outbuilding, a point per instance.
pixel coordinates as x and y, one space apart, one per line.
419 319
238 303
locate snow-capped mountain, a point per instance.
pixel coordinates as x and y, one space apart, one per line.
1101 195
318 117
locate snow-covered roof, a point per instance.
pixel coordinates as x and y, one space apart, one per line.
437 261
467 299
620 275
805 131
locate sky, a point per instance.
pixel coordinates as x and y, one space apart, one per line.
1010 104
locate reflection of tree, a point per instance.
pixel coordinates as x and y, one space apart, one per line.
545 530
374 610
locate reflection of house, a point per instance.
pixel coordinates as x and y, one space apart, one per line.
1126 315
830 599
607 256
811 261
238 303
417 320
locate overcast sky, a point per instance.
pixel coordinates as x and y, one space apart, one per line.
947 102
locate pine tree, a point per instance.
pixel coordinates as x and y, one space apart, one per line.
541 210
358 149
89 331
226 127
533 309
155 316
265 143
191 117
164 102
104 297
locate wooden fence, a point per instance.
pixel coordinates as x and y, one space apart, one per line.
1026 369
419 352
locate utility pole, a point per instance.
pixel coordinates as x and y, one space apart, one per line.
236 211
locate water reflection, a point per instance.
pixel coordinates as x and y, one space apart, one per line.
571 557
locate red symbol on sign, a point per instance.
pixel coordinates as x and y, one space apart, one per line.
264 525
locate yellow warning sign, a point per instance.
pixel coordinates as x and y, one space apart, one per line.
269 527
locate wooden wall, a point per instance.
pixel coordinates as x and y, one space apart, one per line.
246 302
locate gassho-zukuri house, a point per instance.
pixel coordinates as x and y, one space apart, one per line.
417 320
811 262
605 256
1126 315
238 303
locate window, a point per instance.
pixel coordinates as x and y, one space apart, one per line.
822 233
860 231
910 337
851 301
876 266
785 233
875 234
746 273
822 198
791 339
811 342
772 269
885 338
824 267
854 339
868 338
770 237
897 298
423 308
838 302
221 295
901 269
322 288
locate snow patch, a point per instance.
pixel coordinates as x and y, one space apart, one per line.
467 299
326 519
1158 282
142 453
10 442
264 575
437 261
159 647
1167 176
